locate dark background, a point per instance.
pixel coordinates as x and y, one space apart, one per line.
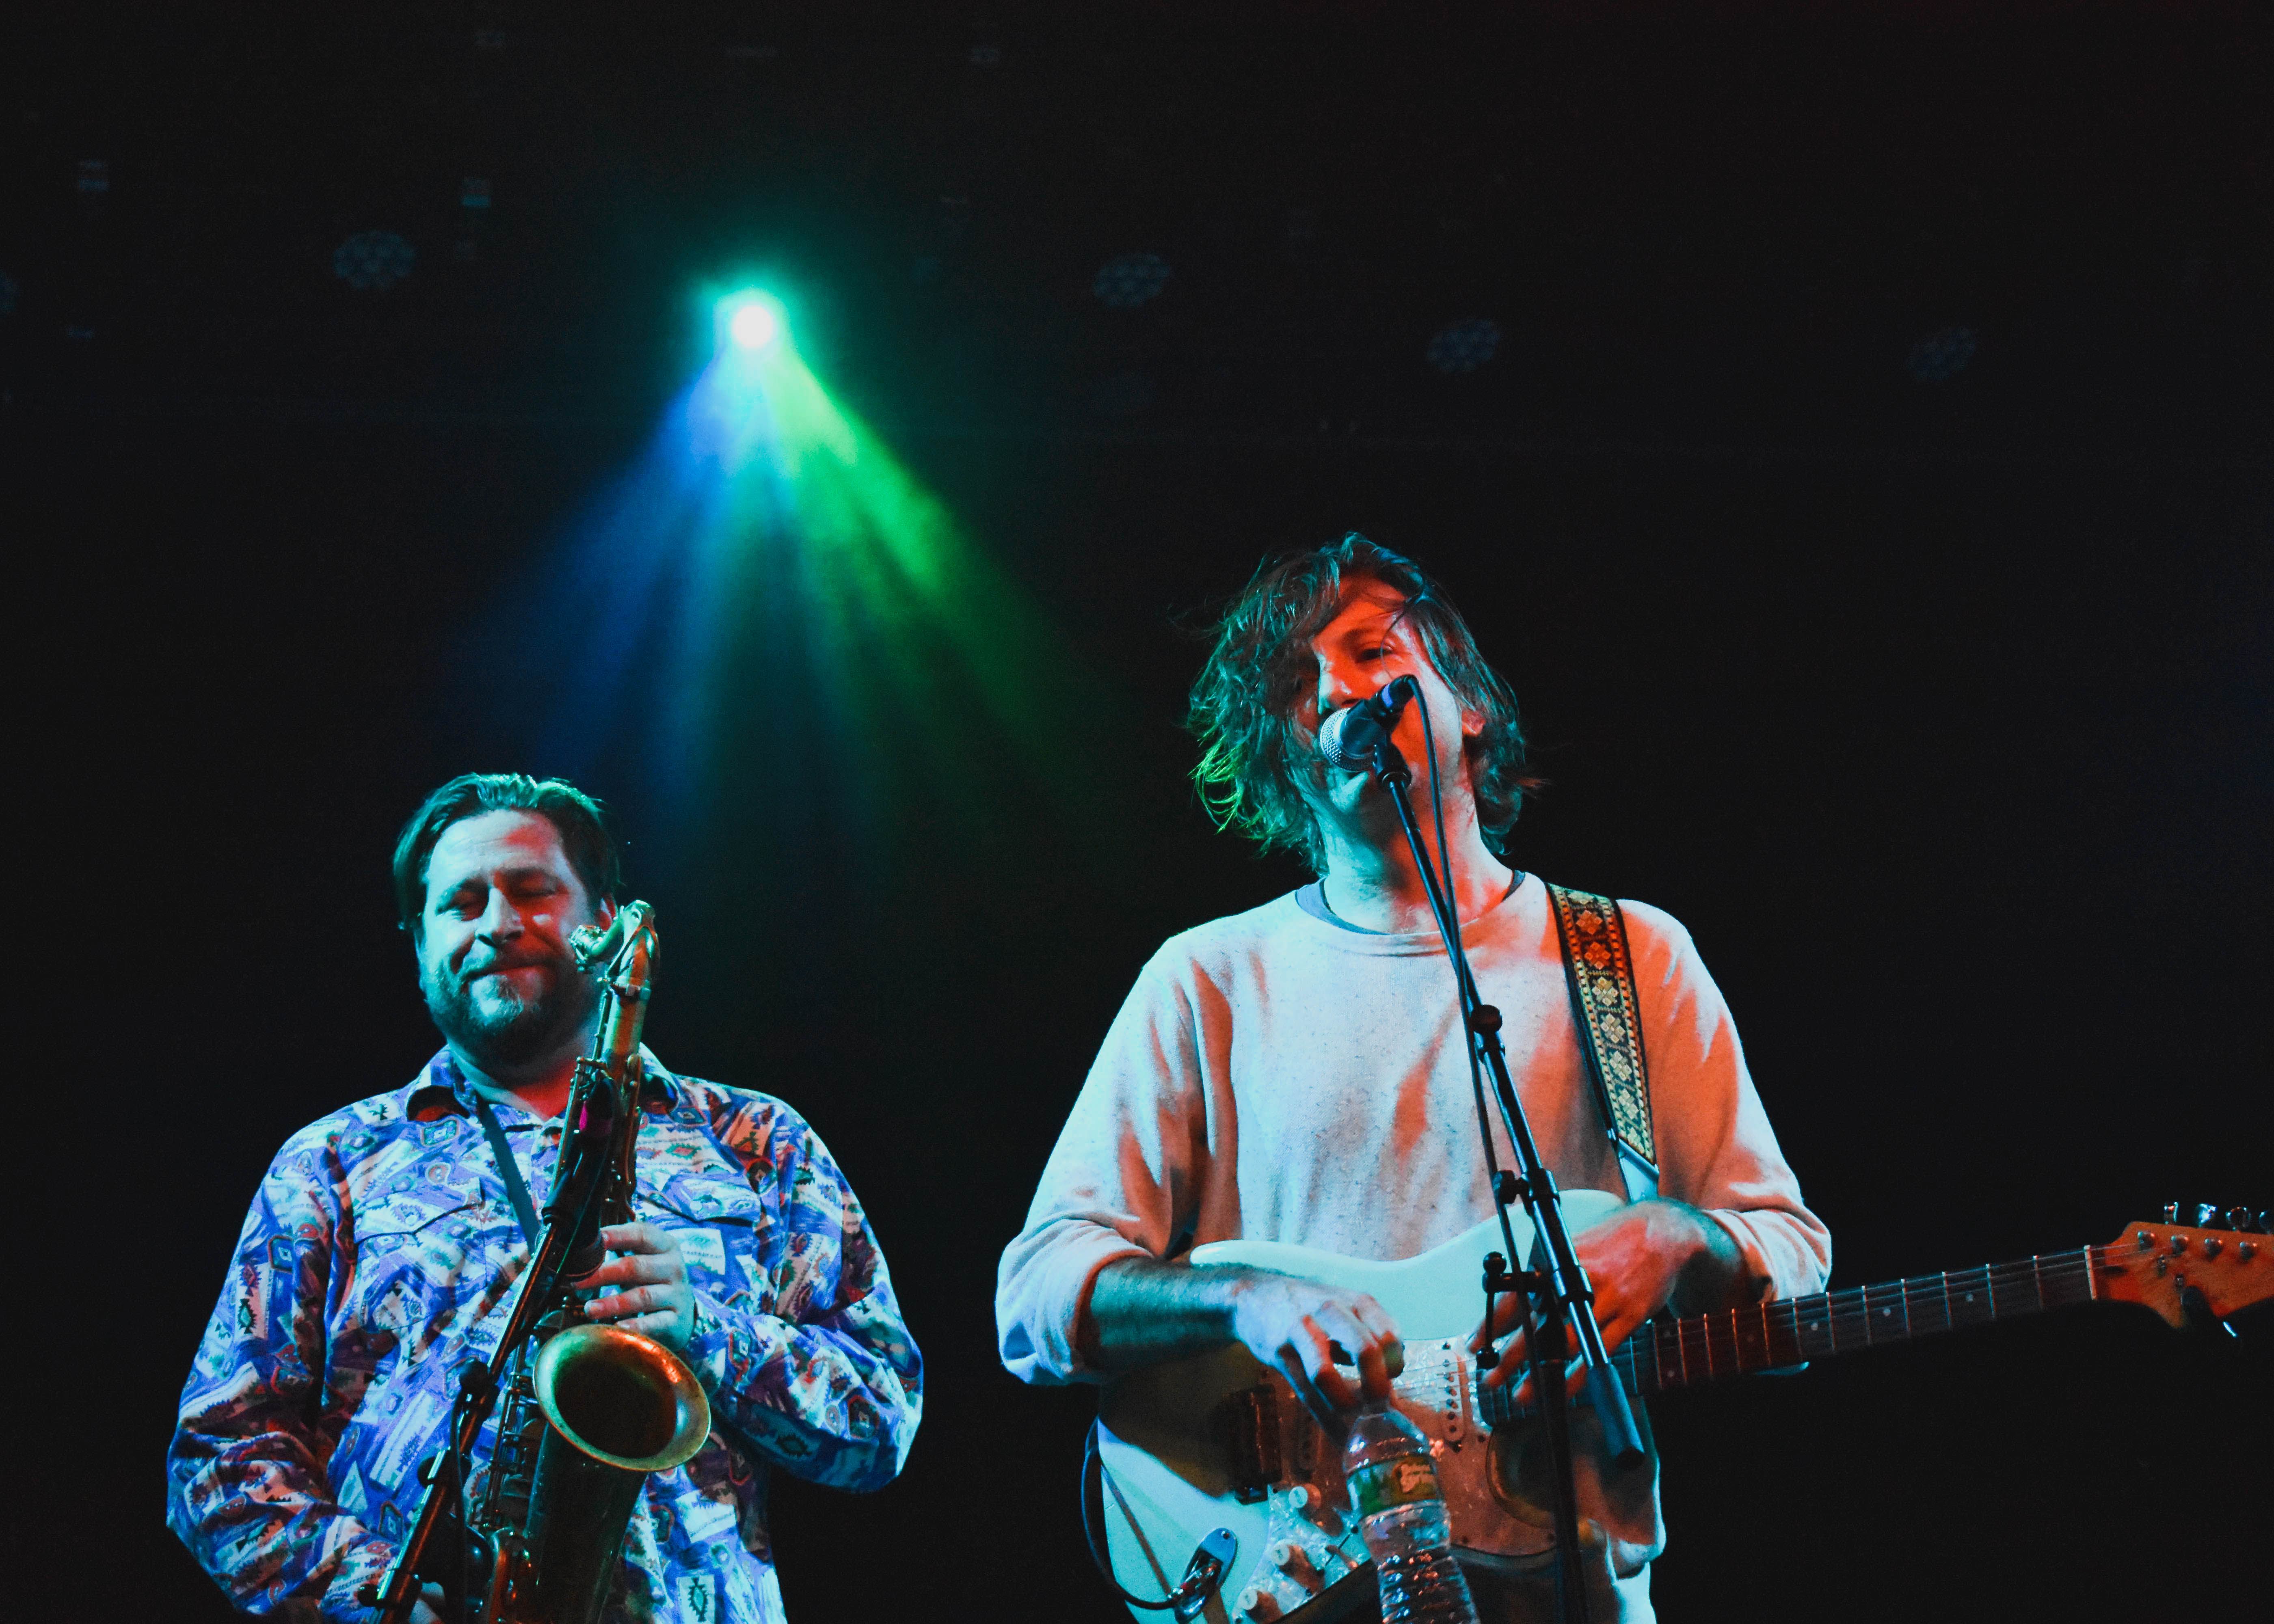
1935 702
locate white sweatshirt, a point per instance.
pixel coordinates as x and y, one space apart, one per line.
1278 1075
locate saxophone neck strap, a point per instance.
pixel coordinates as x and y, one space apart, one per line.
1599 972
517 1188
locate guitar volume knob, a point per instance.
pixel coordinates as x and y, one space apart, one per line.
1292 1559
1306 1501
1258 1605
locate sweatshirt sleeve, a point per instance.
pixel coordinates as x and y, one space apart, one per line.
1715 1148
1121 1181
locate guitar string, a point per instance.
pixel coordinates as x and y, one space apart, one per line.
2063 1268
1786 1321
1670 1341
1728 1332
2060 1269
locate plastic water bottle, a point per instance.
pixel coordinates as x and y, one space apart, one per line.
1401 1512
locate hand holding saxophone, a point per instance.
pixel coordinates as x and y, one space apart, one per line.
644 1288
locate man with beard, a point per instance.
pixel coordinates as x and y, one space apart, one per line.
379 1259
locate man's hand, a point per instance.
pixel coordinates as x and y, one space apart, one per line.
1303 1330
652 1295
1141 1311
1638 1260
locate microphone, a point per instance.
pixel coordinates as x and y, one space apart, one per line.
1348 738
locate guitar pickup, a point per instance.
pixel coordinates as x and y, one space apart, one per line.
1247 1425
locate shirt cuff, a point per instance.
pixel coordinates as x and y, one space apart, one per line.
1039 1312
1772 1279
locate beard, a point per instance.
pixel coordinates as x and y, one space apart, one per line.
501 1027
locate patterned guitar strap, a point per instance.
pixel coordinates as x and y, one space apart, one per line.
1599 972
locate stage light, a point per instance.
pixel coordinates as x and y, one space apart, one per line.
1464 346
1129 280
764 499
754 326
751 320
372 261
1941 356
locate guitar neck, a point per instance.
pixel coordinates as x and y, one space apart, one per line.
1731 1341
1767 1335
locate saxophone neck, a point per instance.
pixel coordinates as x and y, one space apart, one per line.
622 955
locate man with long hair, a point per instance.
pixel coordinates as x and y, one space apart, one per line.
1298 1073
379 1260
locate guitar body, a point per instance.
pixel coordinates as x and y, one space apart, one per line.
1174 1466
1216 1442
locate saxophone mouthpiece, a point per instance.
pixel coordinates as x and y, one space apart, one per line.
595 945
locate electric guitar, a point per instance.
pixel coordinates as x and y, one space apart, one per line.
1215 1447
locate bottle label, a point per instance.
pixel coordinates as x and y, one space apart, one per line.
1400 1482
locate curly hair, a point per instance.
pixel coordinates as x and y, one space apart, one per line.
1255 758
585 838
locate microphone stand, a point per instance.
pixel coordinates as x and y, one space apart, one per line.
1558 1303
571 1221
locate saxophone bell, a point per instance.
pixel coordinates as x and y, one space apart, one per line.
617 1406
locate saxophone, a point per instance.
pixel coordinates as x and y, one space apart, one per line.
589 1410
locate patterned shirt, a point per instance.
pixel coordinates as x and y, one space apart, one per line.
379 1260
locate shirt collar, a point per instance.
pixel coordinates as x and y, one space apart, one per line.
442 1090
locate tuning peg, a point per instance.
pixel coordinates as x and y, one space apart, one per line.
2237 1219
2206 1216
2170 1211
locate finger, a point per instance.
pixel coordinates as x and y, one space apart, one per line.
1383 1330
1360 1344
1356 1346
640 1270
1511 1361
616 1305
1323 1409
638 1237
1374 1371
1317 1346
614 1272
663 1327
1516 1366
1507 1311
1618 1320
1610 1306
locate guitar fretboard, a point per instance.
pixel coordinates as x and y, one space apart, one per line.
1673 1353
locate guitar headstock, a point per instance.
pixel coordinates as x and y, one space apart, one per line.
2188 1271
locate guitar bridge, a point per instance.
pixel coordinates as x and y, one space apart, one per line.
1248 1426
